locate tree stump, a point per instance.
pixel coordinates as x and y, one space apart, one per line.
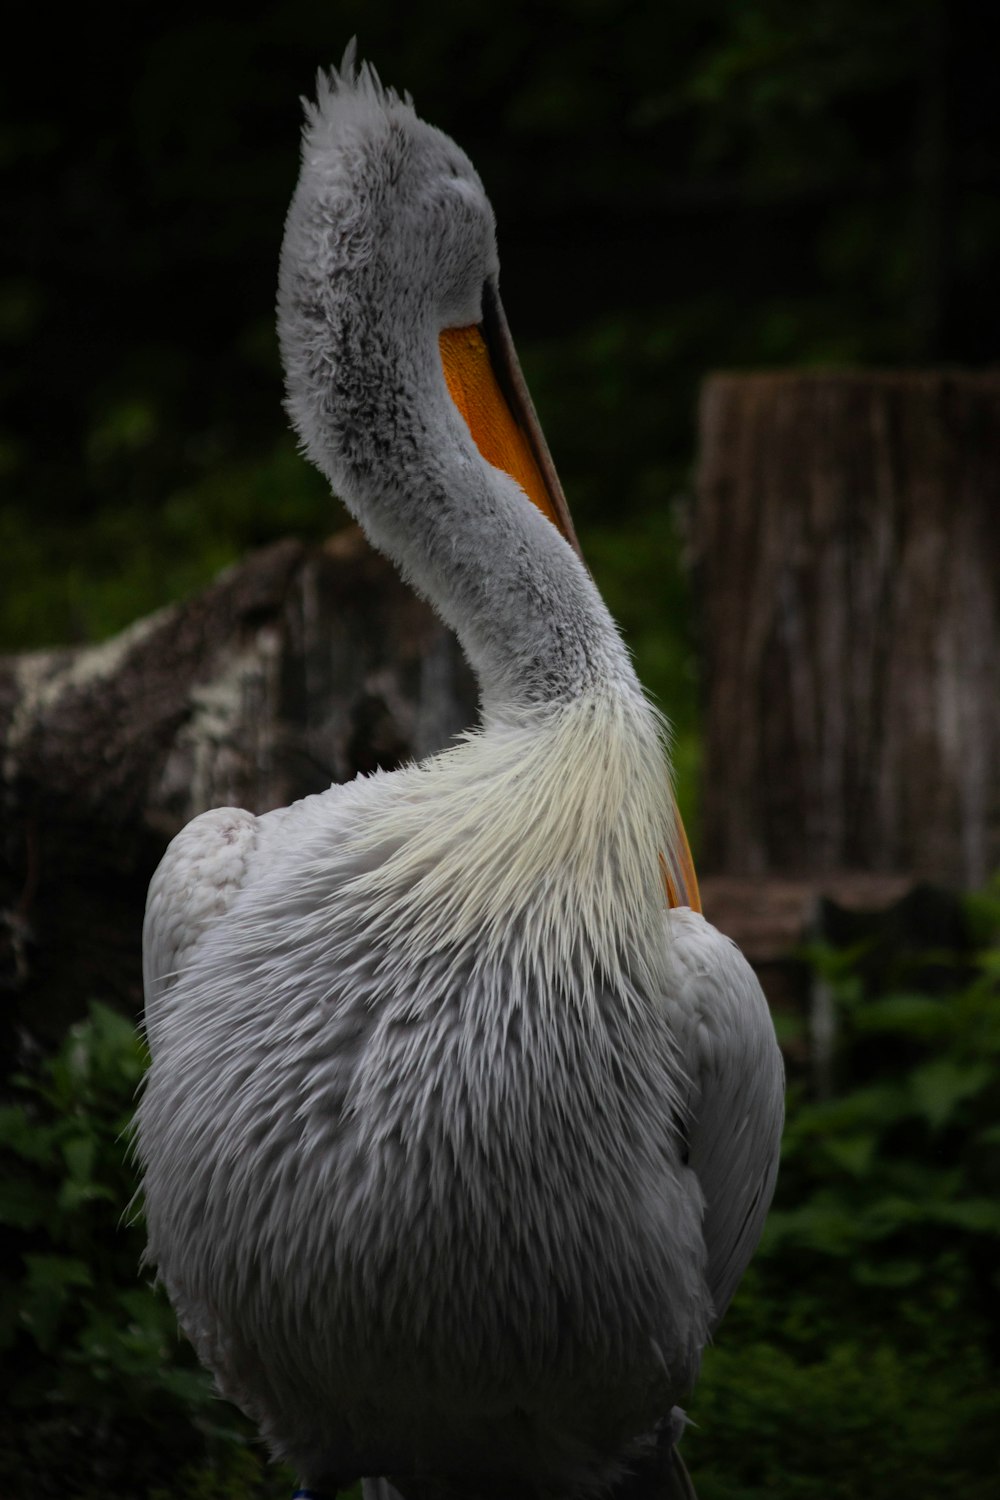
299 667
848 546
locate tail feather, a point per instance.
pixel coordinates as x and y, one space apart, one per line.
659 1473
679 1485
378 1489
664 1478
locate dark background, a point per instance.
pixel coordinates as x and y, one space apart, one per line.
680 187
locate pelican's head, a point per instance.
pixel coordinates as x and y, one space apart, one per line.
389 201
388 300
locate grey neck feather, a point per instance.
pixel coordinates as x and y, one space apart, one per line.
366 391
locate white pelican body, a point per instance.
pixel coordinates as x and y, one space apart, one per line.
456 1140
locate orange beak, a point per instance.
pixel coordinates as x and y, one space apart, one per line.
484 380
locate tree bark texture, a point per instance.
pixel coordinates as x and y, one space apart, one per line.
848 546
295 669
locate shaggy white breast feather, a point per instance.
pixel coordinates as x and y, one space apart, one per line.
545 833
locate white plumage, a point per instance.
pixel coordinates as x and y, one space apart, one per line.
456 1141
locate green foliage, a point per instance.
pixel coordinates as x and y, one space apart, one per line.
100 1389
860 1356
869 1417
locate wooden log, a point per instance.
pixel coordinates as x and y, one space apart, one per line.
848 548
299 667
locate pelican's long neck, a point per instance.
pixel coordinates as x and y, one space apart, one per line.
378 420
564 814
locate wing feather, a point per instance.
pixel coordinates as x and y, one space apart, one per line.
736 1099
194 885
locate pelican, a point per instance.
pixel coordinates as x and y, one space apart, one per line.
461 1122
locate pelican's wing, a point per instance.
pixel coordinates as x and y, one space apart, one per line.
736 1098
194 885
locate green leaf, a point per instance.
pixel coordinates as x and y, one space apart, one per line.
24 1204
78 1153
889 1273
914 1015
24 1136
50 1284
821 1224
852 1152
980 1215
940 1086
860 1111
73 1195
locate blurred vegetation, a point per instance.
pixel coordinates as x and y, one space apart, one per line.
859 1358
713 182
860 1355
